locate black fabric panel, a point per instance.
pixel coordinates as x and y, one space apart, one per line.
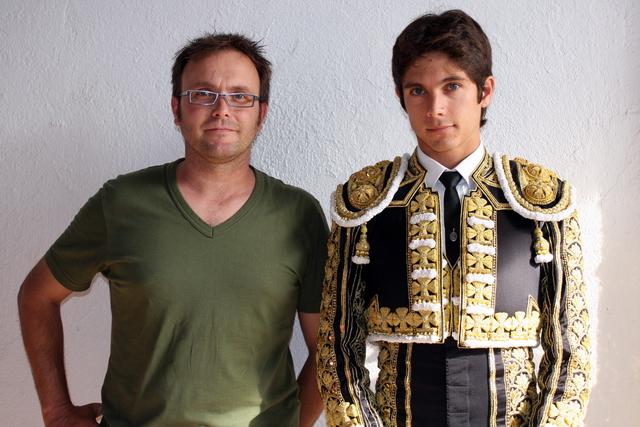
386 275
449 386
500 389
518 273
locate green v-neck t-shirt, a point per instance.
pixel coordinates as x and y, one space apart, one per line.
201 316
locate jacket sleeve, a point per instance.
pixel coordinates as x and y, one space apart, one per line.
565 368
342 376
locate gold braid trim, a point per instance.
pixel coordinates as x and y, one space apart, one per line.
367 189
538 186
520 384
570 410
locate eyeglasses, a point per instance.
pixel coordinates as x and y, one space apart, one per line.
205 97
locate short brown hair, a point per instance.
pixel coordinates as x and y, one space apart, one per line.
212 43
453 33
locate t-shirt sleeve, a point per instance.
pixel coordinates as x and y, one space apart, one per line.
317 235
79 253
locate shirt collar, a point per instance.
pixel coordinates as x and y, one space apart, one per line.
465 168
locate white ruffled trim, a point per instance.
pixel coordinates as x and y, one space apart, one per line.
501 344
538 216
425 339
431 339
418 243
359 260
395 184
488 223
483 278
480 309
427 306
427 216
424 273
481 249
543 258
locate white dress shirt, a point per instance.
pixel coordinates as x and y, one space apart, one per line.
465 168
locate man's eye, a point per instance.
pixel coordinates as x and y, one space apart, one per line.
416 91
453 86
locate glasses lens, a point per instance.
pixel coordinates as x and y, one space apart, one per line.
240 99
203 97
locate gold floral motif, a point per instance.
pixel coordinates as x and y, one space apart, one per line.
479 207
401 321
479 293
425 290
424 230
366 188
424 257
500 327
478 233
339 412
386 386
534 177
570 410
478 263
539 185
424 202
520 385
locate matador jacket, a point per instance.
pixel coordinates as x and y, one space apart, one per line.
455 347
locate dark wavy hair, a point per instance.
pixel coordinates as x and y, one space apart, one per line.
212 43
455 34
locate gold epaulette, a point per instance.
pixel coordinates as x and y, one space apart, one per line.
368 192
533 191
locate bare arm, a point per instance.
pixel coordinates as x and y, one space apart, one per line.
309 395
39 302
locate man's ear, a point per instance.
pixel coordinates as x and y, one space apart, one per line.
263 114
175 107
487 91
402 104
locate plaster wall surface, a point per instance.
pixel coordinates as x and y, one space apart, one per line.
85 93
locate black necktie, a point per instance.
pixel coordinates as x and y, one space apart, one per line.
451 215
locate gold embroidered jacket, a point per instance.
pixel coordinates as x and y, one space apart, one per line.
519 284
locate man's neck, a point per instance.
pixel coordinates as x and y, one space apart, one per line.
215 192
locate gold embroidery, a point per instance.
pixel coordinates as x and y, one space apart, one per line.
570 410
519 383
407 385
362 247
479 238
538 185
338 411
386 386
502 328
366 188
402 321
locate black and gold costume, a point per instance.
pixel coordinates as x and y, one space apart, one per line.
455 347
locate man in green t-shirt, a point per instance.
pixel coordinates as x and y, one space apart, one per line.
207 259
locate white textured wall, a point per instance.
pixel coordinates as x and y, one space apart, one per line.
84 96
